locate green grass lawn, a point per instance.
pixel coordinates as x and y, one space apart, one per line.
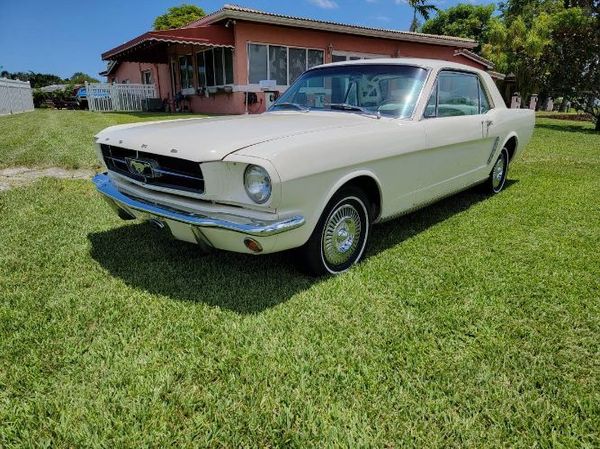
472 323
47 137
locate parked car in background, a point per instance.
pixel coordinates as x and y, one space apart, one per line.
348 145
81 97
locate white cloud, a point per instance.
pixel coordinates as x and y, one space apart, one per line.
383 18
325 4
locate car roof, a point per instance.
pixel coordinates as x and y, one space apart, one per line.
419 62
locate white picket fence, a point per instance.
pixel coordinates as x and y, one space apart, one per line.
106 97
15 96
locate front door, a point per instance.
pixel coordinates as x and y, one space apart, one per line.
457 137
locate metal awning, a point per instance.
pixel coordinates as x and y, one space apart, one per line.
152 46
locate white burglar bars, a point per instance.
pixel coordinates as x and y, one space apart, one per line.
106 97
15 96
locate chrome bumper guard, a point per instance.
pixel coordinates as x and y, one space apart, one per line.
229 222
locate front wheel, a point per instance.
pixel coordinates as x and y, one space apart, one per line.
497 179
341 235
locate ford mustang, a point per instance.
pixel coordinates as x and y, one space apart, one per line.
346 146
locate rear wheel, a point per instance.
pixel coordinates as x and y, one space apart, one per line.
341 235
497 179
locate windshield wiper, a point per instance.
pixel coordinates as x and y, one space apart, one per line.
352 107
294 105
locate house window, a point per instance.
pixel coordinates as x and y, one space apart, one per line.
219 67
186 72
257 63
209 60
340 56
215 67
228 65
280 64
173 76
201 69
315 57
147 77
297 62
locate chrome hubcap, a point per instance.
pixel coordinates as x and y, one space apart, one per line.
342 235
498 172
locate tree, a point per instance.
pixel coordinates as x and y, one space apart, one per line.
178 16
574 60
519 49
517 41
592 6
81 78
528 10
462 20
35 79
420 9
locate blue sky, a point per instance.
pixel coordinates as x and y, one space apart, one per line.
67 36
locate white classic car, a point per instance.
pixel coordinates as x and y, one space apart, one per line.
347 145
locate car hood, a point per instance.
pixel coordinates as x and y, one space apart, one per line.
202 139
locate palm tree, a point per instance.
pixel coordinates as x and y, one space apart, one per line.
420 8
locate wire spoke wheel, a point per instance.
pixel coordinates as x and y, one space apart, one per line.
341 236
498 172
497 177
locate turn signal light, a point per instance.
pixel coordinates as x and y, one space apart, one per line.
253 245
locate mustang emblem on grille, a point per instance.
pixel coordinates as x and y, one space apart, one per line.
142 167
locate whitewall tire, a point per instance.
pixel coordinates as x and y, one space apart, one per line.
340 237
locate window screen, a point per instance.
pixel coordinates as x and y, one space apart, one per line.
147 77
201 69
228 66
297 63
219 67
278 64
257 58
186 70
210 67
315 57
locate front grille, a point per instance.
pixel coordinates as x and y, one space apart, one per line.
168 172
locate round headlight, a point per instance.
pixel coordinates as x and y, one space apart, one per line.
257 183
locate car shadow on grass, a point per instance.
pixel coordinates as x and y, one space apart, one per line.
584 127
393 232
149 259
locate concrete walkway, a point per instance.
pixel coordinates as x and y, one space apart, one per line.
20 176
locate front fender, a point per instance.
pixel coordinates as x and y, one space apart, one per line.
308 196
348 177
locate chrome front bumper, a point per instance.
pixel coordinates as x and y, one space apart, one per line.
228 222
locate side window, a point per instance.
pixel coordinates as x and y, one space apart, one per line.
484 102
458 94
430 109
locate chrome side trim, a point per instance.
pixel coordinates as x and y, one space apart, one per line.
229 222
494 148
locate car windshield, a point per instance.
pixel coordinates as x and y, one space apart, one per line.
379 89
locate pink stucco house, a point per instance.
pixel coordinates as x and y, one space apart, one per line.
238 60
